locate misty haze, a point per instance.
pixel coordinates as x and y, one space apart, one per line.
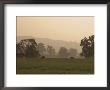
55 45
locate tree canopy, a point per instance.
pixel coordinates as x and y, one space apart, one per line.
27 47
87 45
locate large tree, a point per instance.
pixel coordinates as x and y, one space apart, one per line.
87 45
28 47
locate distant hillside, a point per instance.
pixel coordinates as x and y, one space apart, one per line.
55 43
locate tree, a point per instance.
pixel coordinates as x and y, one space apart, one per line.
63 52
28 47
87 45
72 52
19 50
41 48
51 51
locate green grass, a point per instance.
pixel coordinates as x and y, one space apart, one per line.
54 66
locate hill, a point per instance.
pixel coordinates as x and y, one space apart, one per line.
55 43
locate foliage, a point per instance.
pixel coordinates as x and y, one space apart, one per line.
87 45
27 48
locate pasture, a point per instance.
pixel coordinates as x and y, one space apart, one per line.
54 66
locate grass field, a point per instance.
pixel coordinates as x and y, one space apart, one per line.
54 66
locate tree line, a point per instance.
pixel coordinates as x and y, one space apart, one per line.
29 48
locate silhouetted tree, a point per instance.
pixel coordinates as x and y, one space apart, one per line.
63 52
28 47
19 50
87 45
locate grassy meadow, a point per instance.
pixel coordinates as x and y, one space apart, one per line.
54 66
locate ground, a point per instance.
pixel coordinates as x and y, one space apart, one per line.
54 66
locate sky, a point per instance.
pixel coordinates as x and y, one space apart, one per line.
71 28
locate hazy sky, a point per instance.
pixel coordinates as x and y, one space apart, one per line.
57 28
